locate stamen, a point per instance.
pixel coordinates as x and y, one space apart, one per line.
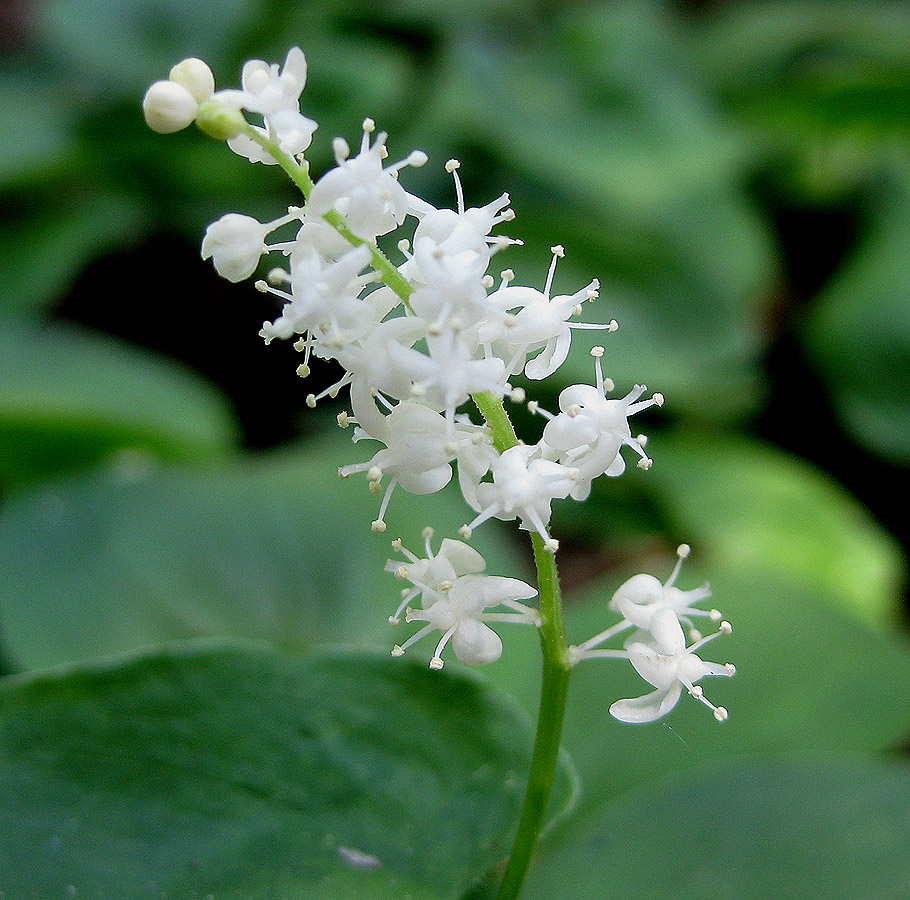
558 252
452 167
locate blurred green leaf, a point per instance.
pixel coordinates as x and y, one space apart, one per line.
804 50
117 49
69 401
274 549
43 252
809 678
810 829
622 158
35 126
749 506
233 772
859 332
829 82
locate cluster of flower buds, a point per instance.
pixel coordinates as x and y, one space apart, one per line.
416 341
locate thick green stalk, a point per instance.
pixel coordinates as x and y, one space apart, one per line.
553 691
554 686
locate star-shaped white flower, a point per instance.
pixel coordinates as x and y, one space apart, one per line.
457 608
591 428
662 658
523 486
273 93
638 599
360 189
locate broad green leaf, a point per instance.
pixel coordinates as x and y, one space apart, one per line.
751 506
275 549
69 400
792 829
859 333
232 772
809 678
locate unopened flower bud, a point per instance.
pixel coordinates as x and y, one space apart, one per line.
169 107
196 77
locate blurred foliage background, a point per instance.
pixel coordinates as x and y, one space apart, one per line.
736 174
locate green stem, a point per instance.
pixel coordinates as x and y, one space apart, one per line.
553 691
555 682
299 174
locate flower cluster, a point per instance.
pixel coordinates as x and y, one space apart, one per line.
417 339
657 648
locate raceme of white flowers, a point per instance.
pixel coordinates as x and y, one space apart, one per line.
415 345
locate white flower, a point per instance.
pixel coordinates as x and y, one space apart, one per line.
524 486
323 296
436 573
447 376
360 189
195 76
640 597
377 362
457 607
541 323
419 447
274 94
664 661
591 428
235 244
453 248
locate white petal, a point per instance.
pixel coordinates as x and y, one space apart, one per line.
476 644
465 559
648 708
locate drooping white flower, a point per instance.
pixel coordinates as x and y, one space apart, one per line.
457 608
447 376
435 573
664 661
419 447
360 189
452 248
319 298
235 243
273 93
591 428
523 486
